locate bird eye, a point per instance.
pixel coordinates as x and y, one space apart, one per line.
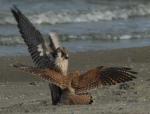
54 54
67 57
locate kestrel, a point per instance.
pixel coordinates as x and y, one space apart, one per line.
75 85
44 54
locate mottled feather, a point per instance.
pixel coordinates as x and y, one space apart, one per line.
75 84
40 52
102 76
50 75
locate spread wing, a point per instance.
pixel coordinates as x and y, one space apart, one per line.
52 76
41 53
102 76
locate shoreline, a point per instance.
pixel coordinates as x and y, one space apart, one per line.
131 57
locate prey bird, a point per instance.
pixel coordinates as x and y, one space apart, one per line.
74 85
44 54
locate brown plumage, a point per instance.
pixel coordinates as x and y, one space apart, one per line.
77 84
78 99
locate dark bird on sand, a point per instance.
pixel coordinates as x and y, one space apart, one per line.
44 54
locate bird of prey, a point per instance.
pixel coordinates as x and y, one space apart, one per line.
75 85
44 54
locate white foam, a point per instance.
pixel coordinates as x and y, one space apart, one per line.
97 14
125 37
87 15
11 40
17 40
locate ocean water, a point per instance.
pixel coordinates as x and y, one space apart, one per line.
83 25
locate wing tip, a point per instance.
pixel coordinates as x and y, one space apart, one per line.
128 69
15 11
14 8
133 72
125 74
18 66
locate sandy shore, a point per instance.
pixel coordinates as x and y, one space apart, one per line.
21 93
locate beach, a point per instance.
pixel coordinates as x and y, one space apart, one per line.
22 93
96 33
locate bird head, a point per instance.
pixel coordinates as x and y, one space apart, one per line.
61 59
61 52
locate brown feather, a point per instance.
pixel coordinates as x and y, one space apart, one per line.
93 78
50 75
102 76
79 100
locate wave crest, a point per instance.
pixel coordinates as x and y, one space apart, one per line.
16 40
87 15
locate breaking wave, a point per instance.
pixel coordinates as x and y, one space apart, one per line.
86 15
93 15
17 40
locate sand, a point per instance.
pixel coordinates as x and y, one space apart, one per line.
22 93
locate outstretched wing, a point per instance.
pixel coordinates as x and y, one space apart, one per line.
47 74
102 76
41 52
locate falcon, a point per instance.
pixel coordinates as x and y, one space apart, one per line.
75 86
45 54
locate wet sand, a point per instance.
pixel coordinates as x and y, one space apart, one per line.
21 93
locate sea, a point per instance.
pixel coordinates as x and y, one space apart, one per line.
83 25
